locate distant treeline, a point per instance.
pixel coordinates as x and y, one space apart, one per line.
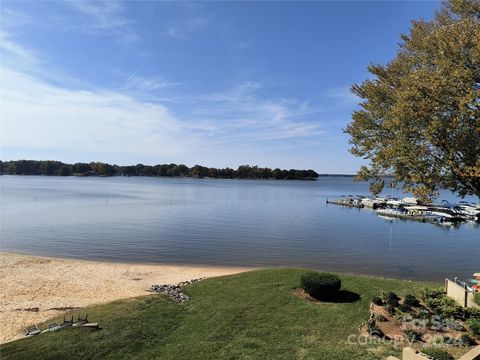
49 167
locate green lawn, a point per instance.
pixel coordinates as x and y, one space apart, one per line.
246 316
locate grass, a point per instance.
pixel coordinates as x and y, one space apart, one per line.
245 316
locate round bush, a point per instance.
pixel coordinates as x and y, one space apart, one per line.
320 285
467 340
404 308
438 354
411 301
391 299
377 300
412 335
474 325
381 318
473 313
476 298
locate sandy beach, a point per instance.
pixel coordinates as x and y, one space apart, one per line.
34 289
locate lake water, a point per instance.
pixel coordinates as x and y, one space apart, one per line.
227 222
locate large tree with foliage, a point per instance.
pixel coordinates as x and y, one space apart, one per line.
419 119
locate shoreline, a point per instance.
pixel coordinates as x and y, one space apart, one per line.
37 288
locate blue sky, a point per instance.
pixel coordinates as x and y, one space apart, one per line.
211 83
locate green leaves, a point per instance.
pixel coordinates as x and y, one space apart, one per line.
420 114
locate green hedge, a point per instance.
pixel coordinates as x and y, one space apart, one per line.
321 285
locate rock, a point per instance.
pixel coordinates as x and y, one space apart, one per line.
174 291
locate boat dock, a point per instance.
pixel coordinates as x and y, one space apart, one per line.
341 203
411 209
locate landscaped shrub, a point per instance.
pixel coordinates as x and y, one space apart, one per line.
321 285
467 340
476 298
438 354
448 307
439 303
404 308
411 300
391 299
412 335
377 300
474 326
472 313
429 294
424 314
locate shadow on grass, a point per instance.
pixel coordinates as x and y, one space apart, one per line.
343 296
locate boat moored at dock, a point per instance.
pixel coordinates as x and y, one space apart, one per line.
410 208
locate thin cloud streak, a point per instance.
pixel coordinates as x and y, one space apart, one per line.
104 18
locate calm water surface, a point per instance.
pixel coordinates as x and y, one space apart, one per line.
226 222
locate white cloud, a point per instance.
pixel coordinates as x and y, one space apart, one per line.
104 17
184 29
41 109
148 84
10 49
342 96
36 114
12 18
244 114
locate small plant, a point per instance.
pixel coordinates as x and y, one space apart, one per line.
381 318
390 309
429 293
411 300
472 313
467 340
437 354
391 299
474 326
404 308
377 300
440 304
432 297
476 298
412 335
449 307
321 285
424 314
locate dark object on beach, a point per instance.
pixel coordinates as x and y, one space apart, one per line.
33 309
320 285
33 331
